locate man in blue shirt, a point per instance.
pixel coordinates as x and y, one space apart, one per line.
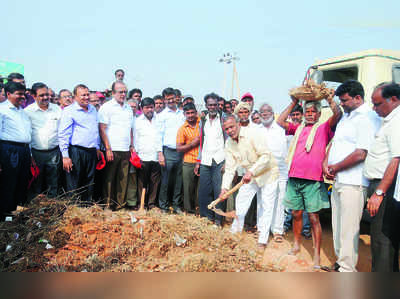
79 143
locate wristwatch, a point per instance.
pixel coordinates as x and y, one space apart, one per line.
379 192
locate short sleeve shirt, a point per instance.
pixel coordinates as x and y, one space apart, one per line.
309 165
186 134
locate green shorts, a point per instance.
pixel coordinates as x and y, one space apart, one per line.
306 195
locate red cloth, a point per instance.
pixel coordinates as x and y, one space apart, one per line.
135 160
100 165
35 173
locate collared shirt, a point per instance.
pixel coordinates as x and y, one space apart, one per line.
186 134
78 127
213 145
169 122
44 125
355 130
147 138
15 124
385 147
120 121
251 153
277 143
309 165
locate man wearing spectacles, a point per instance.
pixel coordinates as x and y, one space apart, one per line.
116 125
65 97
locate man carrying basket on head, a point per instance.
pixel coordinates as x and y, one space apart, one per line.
305 187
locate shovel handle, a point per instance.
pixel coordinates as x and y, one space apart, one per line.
142 200
212 205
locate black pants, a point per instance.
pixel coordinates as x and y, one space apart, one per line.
49 164
385 228
149 178
171 174
209 190
15 161
81 178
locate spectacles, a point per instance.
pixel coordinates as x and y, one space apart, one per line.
121 91
67 97
247 100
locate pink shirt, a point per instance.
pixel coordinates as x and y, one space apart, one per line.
309 165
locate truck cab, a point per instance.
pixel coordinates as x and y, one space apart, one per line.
369 67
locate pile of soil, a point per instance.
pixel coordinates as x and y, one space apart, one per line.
72 238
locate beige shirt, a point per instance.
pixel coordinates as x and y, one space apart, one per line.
385 147
251 153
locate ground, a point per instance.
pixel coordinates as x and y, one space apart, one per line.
61 236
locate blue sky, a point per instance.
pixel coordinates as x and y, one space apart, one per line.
178 43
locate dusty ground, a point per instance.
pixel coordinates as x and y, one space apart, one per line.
57 236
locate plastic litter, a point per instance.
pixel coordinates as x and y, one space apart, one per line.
8 248
43 241
8 219
48 246
16 236
18 261
38 224
179 241
133 218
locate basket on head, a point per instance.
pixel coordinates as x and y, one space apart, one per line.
310 91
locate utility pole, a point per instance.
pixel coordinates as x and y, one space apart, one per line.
228 58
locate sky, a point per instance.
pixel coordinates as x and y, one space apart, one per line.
178 43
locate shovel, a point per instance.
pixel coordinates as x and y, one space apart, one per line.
212 206
141 210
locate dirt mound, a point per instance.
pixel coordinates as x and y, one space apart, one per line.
101 240
59 236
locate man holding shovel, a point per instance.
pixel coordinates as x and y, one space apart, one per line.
245 148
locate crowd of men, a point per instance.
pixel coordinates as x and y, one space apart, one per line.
85 143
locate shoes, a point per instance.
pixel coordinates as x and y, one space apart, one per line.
178 211
307 235
132 208
218 223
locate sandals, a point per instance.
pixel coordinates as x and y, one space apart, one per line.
278 238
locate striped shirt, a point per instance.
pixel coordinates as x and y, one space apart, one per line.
185 135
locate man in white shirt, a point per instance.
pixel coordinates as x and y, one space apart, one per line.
15 157
45 119
148 146
344 163
169 121
277 144
116 126
211 159
380 169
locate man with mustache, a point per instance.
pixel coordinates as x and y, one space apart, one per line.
211 159
169 121
305 188
187 141
79 142
148 146
15 155
245 148
45 118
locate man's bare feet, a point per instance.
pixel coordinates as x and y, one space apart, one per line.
294 251
316 260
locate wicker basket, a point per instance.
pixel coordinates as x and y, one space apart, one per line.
311 91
